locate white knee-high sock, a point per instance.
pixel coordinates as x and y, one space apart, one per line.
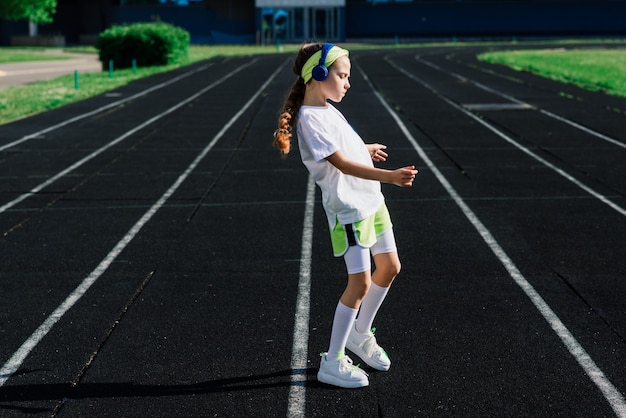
369 307
343 320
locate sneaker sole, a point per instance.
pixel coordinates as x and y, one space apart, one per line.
332 380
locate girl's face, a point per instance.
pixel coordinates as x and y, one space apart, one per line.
337 84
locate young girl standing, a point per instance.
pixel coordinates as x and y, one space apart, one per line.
360 226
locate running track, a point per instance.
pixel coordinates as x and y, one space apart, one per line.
160 259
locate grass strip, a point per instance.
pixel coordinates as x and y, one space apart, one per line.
592 69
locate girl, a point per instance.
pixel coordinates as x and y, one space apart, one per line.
360 226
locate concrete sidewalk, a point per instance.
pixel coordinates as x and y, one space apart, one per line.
22 73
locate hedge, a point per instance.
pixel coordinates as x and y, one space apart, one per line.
147 43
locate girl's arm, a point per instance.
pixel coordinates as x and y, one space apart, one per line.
402 177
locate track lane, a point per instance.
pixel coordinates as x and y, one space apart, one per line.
594 109
35 246
37 135
601 123
211 333
237 289
415 116
442 363
579 155
58 159
216 138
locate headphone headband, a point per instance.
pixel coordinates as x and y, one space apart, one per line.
325 49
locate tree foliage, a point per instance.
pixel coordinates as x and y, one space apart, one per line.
38 11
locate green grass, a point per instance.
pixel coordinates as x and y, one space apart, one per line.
10 54
593 69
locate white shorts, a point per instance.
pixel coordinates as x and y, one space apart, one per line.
359 259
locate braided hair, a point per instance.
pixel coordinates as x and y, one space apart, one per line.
291 107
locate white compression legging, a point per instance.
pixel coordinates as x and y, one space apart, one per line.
358 259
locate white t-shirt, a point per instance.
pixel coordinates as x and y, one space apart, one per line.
322 131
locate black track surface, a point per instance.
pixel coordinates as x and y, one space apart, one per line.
194 316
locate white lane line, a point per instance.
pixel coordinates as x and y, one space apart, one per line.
583 128
610 392
519 146
119 139
524 104
20 355
103 108
299 351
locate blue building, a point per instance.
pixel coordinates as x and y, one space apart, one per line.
266 21
297 20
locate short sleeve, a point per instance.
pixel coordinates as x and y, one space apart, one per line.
317 138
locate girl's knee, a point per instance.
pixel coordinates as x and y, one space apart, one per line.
390 273
396 267
359 288
388 264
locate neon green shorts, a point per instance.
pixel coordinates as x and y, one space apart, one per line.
362 233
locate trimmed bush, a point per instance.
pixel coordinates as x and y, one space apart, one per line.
148 43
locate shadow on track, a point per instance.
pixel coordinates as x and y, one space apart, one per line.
17 393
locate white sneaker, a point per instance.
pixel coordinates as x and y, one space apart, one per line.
365 346
341 372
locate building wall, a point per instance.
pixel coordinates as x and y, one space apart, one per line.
238 21
205 25
210 21
485 18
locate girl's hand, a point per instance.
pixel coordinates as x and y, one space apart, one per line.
404 176
376 151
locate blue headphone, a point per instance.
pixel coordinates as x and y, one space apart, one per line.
320 72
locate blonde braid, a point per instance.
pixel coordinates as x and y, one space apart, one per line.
287 118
